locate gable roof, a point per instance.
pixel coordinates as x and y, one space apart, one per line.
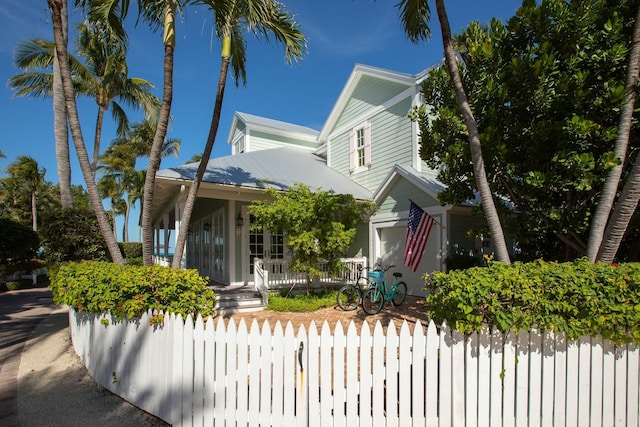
359 71
279 168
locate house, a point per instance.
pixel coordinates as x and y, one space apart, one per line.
367 147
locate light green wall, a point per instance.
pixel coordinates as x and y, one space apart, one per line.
370 92
397 200
265 141
390 144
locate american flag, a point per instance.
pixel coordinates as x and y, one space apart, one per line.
419 226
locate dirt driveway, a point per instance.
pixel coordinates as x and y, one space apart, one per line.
412 310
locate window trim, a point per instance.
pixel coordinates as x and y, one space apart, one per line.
354 150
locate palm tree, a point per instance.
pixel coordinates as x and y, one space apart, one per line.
25 171
415 16
106 80
108 187
232 17
56 7
104 77
604 242
119 162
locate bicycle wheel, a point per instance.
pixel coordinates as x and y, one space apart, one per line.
348 297
400 294
372 301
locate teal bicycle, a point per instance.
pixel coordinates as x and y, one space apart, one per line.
378 293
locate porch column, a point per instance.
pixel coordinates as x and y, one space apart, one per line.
165 227
178 213
233 241
156 241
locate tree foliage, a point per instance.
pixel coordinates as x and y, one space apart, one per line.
18 242
319 226
71 234
546 88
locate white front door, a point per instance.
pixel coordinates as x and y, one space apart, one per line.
270 247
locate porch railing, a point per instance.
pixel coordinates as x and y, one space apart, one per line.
275 274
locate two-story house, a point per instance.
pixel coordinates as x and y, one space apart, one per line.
367 147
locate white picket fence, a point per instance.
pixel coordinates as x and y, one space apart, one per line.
212 374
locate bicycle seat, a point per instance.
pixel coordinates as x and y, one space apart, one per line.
398 275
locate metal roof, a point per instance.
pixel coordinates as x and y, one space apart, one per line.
279 168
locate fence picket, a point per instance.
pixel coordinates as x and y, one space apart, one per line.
209 372
313 376
198 372
509 380
177 325
457 379
522 379
219 377
391 374
484 377
253 380
446 369
633 385
404 373
418 357
548 378
471 391
192 372
278 375
621 386
497 373
351 377
302 348
560 381
378 380
326 379
431 385
365 375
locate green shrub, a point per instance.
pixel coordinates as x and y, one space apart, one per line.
18 242
18 284
301 302
72 235
129 291
576 298
131 250
462 262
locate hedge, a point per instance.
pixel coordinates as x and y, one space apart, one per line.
129 291
575 298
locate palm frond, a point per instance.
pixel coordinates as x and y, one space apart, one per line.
415 16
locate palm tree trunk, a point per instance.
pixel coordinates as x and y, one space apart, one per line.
34 211
623 210
486 197
158 140
202 167
612 181
74 123
125 228
60 127
97 138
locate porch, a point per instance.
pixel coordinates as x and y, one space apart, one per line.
273 275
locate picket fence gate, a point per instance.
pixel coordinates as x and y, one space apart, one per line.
208 373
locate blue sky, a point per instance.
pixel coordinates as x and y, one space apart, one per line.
340 33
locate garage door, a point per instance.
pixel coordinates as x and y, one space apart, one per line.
392 244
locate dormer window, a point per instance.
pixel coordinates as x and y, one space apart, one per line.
238 146
360 148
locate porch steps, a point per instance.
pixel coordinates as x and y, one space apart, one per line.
229 301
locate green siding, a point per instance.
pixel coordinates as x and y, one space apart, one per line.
370 92
397 199
390 145
265 141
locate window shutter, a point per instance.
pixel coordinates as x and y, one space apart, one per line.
367 144
353 158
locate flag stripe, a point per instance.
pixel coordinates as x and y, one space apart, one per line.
419 225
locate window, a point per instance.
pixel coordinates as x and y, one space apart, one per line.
360 148
238 145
